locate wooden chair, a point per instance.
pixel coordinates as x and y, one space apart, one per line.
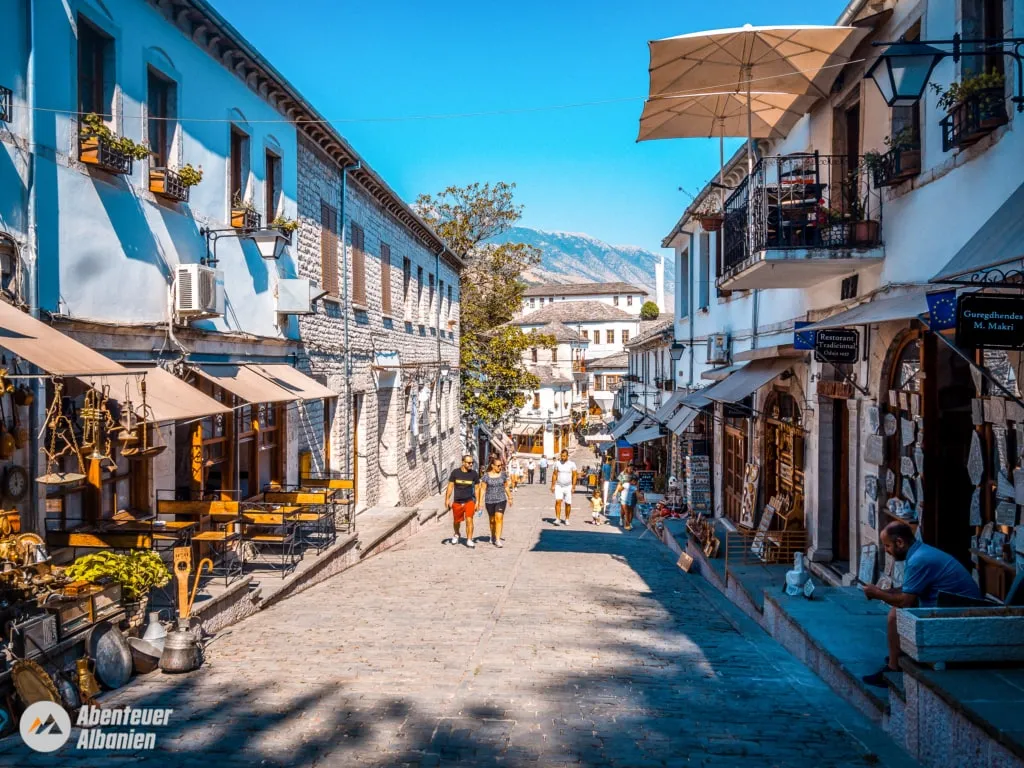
342 500
218 530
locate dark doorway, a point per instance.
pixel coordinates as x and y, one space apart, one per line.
840 486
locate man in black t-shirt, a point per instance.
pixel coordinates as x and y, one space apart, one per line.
460 498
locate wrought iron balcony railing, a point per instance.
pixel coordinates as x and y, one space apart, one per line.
896 165
801 202
167 183
5 104
973 118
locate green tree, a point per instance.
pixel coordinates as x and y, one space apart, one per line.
649 311
491 292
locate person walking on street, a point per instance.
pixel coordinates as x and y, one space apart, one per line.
531 467
495 494
626 491
543 466
513 472
563 479
460 497
596 507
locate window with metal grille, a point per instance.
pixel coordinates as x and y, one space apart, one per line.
385 278
358 266
849 288
329 249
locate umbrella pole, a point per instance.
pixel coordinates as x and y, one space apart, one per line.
721 163
750 126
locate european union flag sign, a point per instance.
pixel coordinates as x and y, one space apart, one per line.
942 308
802 339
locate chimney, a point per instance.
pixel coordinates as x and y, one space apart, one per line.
659 284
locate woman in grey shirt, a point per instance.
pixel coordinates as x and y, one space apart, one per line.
495 493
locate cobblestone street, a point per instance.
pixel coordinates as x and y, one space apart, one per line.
572 645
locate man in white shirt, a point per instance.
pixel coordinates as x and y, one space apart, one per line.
563 479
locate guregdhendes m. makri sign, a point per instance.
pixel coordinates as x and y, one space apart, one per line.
837 345
992 321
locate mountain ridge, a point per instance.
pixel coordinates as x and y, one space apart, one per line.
576 257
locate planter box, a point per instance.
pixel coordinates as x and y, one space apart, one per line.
95 150
897 165
711 223
974 118
866 233
167 184
243 218
932 635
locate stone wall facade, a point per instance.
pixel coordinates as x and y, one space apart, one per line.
396 374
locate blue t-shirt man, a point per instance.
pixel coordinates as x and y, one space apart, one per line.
929 571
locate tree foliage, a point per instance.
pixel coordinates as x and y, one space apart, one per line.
649 311
491 292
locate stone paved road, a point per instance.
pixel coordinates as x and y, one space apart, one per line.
570 646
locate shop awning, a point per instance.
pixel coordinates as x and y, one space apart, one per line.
244 382
168 398
904 307
765 353
747 381
604 402
601 438
626 424
682 420
1000 241
644 433
666 411
295 381
720 374
697 400
47 348
527 429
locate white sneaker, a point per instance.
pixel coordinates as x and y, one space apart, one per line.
566 521
470 543
453 540
499 543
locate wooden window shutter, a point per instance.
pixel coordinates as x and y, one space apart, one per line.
385 278
358 266
329 249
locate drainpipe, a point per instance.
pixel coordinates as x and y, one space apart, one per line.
348 310
689 301
31 264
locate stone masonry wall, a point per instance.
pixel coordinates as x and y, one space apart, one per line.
393 466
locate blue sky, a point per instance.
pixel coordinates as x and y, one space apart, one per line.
577 169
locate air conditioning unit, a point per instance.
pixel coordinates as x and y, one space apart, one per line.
718 349
200 291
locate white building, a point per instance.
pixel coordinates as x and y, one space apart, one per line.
628 298
607 375
942 204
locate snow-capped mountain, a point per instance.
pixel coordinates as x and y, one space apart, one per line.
572 257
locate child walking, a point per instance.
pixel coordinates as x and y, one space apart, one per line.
596 508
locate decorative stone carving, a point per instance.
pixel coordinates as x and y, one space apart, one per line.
872 514
908 429
890 425
866 566
975 461
874 450
906 466
999 432
976 507
871 487
1004 489
1006 513
874 419
890 481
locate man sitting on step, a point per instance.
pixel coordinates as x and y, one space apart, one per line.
928 571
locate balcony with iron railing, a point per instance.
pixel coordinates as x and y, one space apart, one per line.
798 220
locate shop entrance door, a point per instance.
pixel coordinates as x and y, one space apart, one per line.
840 486
735 461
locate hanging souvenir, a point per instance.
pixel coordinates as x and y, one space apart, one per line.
976 376
874 450
1000 436
990 416
986 535
906 466
1019 428
1014 412
908 429
977 411
920 431
919 459
1004 488
1018 485
872 514
904 406
1006 513
890 481
998 411
908 491
915 404
871 487
975 461
874 418
919 489
894 401
890 425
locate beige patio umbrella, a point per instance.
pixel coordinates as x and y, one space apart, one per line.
800 60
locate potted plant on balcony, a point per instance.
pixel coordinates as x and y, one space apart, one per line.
865 230
244 214
285 225
900 161
100 146
174 184
975 106
710 214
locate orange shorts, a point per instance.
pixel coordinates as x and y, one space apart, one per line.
462 510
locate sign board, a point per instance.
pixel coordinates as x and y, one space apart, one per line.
837 390
991 321
645 481
625 455
802 339
685 562
698 484
837 345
